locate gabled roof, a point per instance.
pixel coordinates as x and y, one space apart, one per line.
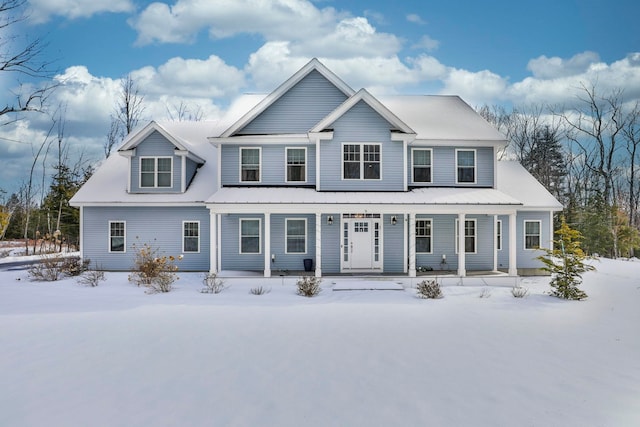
513 178
137 137
364 96
313 65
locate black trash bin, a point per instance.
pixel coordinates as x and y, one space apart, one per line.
308 264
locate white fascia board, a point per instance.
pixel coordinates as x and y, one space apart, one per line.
148 130
320 136
127 153
458 143
292 138
189 155
277 208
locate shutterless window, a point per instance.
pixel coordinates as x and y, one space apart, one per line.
499 234
250 164
469 236
155 171
117 236
466 162
249 236
531 234
423 235
361 161
421 165
191 236
296 164
296 236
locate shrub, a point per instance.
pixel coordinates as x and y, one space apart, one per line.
74 266
485 293
519 292
212 285
49 269
308 286
153 271
429 289
91 278
259 290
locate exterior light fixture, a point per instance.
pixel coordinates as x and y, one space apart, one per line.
394 220
330 220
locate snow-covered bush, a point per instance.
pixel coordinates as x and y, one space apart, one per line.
74 266
429 289
91 278
308 286
259 290
485 293
49 269
519 292
212 284
153 271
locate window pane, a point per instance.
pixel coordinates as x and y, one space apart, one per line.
250 245
164 165
147 165
372 171
421 174
466 158
116 237
250 174
295 156
295 227
295 173
250 156
532 227
422 158
423 244
250 227
351 170
466 175
250 168
117 244
164 179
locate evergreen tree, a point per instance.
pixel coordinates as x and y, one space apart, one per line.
566 264
546 161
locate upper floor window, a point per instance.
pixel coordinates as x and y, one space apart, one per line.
423 235
190 236
250 164
296 164
469 236
361 161
532 234
156 172
296 238
466 166
421 159
117 236
250 236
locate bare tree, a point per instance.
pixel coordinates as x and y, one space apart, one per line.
183 112
114 136
130 105
631 135
21 56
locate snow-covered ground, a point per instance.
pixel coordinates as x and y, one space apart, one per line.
115 356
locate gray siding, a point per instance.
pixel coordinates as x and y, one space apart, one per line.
160 227
527 257
155 145
331 249
274 165
299 109
231 258
284 261
361 124
443 167
393 244
191 170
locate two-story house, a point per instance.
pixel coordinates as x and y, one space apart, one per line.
316 173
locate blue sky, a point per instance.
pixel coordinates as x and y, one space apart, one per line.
205 53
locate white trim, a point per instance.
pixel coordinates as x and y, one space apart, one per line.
475 166
513 252
362 162
109 237
499 241
286 164
524 234
155 172
405 165
412 245
475 235
81 233
286 236
318 243
213 243
287 138
241 220
267 244
259 164
183 177
430 220
413 181
198 236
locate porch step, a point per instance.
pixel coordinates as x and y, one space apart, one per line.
366 285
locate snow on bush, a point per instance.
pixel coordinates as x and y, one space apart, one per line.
308 286
429 289
153 271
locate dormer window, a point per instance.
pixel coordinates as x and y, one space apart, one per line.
156 172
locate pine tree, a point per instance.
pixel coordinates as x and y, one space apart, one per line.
566 264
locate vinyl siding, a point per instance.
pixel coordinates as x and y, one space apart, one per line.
286 261
231 258
299 109
273 165
160 227
361 124
331 248
443 167
155 145
527 257
393 244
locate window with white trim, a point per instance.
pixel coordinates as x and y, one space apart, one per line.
250 164
296 164
421 161
296 236
423 236
532 234
499 234
361 161
156 172
250 236
466 166
469 236
191 236
117 236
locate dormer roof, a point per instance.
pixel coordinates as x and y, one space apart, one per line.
136 138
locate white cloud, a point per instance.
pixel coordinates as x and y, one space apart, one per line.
42 10
415 18
550 68
475 87
427 43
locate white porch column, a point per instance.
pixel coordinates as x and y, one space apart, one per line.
267 244
318 245
495 242
412 245
213 242
462 269
513 270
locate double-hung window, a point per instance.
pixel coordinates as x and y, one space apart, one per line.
466 166
469 236
250 236
250 164
156 172
296 164
296 238
361 161
532 234
421 159
499 234
117 236
190 236
423 235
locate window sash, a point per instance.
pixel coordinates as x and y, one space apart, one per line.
156 172
499 235
361 161
466 163
423 236
421 165
250 164
470 237
296 236
191 236
532 234
296 164
250 236
117 235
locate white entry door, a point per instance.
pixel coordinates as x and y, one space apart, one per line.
361 244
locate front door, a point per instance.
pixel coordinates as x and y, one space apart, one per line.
361 243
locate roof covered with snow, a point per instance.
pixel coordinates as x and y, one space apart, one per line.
514 180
